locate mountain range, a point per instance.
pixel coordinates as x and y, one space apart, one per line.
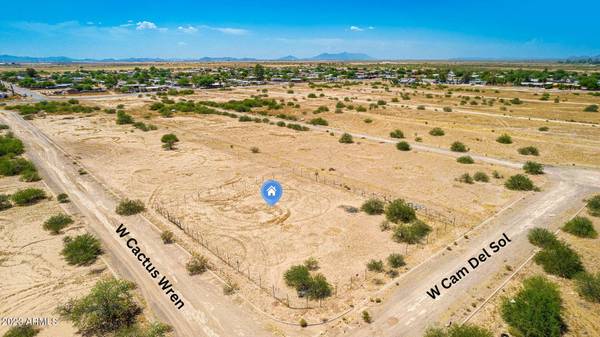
344 56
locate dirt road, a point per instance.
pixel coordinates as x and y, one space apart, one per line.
207 312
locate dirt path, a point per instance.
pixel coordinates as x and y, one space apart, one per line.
207 312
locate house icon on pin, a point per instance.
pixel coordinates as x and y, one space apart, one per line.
271 191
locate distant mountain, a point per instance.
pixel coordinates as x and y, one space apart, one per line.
583 59
344 56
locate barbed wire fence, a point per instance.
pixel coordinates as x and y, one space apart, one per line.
170 210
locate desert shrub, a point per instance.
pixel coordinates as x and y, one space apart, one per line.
458 147
464 330
167 237
11 166
4 126
124 118
312 95
593 205
411 233
346 138
399 211
321 109
403 146
560 260
169 141
367 317
245 118
11 145
588 286
130 207
581 227
481 177
298 277
303 323
465 160
437 132
397 134
81 250
543 128
108 307
504 139
447 109
420 107
375 265
361 108
319 287
534 168
280 124
591 108
5 202
395 260
318 121
465 178
28 196
254 149
529 151
26 330
542 237
311 263
519 182
30 176
516 100
497 175
536 310
373 206
197 264
57 222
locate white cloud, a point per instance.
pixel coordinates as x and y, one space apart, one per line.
229 30
187 29
371 28
356 29
142 25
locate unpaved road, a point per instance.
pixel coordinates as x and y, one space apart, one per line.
207 312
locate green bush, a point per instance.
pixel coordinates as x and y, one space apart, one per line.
197 264
560 260
367 317
437 132
399 211
529 151
303 323
11 145
403 146
130 207
30 176
542 237
464 330
395 260
373 206
397 134
593 205
481 177
167 237
504 139
458 147
543 128
318 121
375 265
311 263
465 178
581 227
591 108
11 166
5 202
124 118
411 233
465 160
169 141
28 196
588 286
534 168
26 330
108 307
319 287
519 182
536 310
447 109
298 277
346 138
62 198
57 222
81 250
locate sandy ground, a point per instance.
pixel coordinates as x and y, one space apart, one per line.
35 277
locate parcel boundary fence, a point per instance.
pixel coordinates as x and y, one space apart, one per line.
170 210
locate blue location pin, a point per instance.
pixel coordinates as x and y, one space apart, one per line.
271 191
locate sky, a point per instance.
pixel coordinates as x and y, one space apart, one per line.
271 29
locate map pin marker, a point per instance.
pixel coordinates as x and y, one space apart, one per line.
271 192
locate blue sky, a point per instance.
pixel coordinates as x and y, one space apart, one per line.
271 29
